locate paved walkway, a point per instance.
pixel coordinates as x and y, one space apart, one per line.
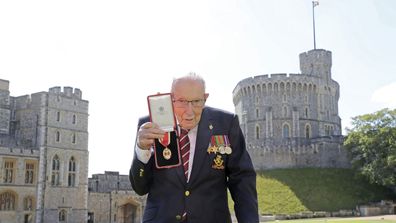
380 217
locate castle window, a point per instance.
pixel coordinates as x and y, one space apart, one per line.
75 102
62 216
55 171
74 138
9 171
306 112
257 132
58 116
29 173
284 98
74 119
57 137
71 179
307 131
257 113
28 203
286 131
7 201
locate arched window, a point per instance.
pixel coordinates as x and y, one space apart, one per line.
286 131
257 132
57 137
306 112
257 113
71 179
7 201
28 204
62 216
307 131
55 171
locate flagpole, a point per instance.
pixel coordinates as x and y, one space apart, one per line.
313 20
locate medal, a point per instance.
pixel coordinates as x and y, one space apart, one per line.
227 148
165 141
221 149
167 153
212 149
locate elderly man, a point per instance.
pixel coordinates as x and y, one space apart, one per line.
214 159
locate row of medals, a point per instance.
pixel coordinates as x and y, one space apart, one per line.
222 149
167 153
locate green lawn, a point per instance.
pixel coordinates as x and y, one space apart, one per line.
335 220
288 191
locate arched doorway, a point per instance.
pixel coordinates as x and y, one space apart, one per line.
129 213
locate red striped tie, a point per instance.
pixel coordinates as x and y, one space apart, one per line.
184 144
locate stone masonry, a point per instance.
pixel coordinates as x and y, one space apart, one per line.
291 120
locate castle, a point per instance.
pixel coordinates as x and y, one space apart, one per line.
289 121
292 120
44 163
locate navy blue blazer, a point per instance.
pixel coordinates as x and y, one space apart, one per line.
204 197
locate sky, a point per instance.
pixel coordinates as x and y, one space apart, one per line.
119 52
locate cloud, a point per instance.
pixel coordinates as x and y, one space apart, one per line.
385 95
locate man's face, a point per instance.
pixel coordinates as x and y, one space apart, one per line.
189 99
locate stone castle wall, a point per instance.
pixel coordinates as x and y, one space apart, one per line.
277 109
321 153
40 126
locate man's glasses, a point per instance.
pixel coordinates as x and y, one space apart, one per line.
184 103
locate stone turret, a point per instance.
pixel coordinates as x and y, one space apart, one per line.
291 120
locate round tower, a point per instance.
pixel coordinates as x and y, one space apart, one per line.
291 120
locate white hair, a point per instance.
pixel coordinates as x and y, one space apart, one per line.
190 76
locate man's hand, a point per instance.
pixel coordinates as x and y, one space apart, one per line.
147 133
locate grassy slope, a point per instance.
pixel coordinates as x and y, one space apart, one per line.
288 191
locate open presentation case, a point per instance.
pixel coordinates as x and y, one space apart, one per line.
166 150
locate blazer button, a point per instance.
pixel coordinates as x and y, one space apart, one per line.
187 193
178 217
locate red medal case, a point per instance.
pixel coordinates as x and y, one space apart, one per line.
166 156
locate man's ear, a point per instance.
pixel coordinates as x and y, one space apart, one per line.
206 95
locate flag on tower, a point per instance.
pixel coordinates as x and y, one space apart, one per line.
315 3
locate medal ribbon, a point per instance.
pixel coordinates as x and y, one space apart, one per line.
227 142
212 141
222 140
217 140
165 141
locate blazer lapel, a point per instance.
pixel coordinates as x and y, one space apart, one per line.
203 136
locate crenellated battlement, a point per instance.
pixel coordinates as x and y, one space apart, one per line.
67 91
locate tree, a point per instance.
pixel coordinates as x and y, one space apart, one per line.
372 145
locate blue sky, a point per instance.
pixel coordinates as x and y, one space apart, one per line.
118 52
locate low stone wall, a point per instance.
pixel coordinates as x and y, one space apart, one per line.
381 208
